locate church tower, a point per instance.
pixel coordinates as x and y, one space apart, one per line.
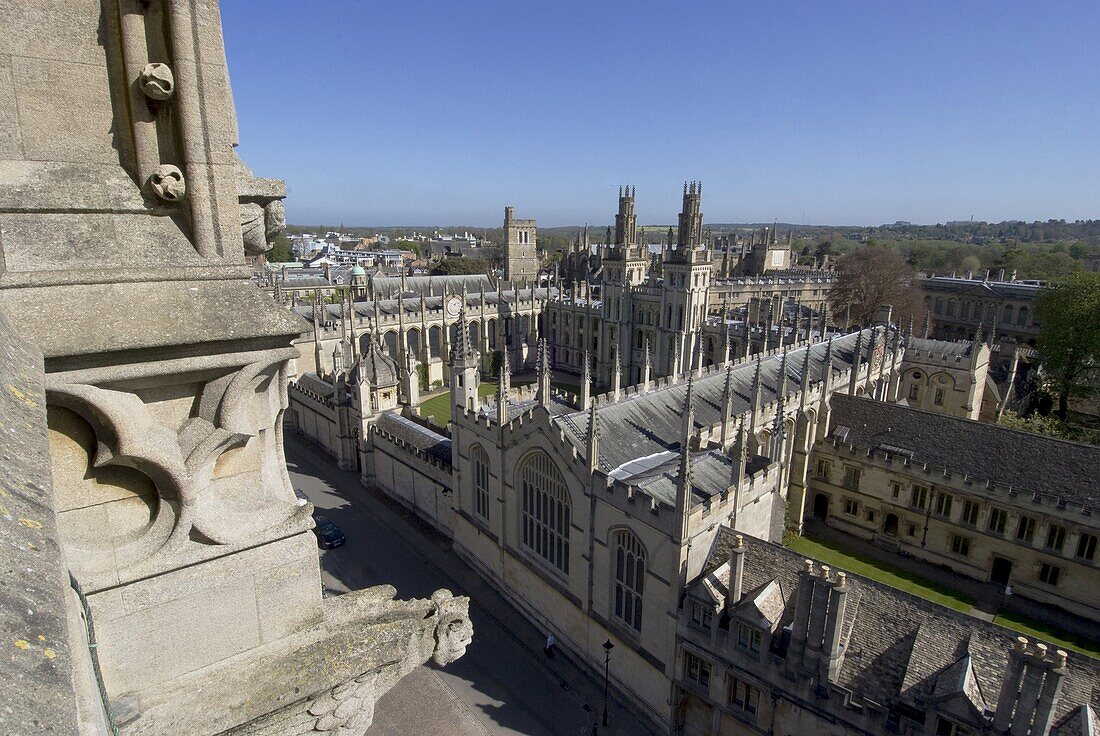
624 266
521 263
690 232
684 289
626 222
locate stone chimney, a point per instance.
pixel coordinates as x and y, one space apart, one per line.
1030 691
829 666
737 572
800 624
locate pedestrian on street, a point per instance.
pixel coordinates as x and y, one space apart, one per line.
550 641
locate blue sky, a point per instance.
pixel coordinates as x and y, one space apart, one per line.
820 111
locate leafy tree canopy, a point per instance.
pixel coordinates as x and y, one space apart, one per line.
460 266
871 277
1069 337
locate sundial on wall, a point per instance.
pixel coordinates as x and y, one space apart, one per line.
454 305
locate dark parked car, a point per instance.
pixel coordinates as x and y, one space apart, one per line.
328 534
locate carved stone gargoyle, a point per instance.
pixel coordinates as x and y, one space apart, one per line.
330 677
263 215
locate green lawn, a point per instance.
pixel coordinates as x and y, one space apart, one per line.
439 406
851 561
1048 634
847 559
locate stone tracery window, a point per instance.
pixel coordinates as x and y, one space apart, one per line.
480 462
629 565
546 510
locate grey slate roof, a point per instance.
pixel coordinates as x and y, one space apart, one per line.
411 303
315 385
1028 462
416 435
1081 721
898 645
940 347
433 284
651 423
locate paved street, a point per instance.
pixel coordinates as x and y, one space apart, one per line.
504 684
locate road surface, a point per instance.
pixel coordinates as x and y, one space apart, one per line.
505 684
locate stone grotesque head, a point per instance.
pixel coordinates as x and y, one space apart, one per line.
263 215
453 630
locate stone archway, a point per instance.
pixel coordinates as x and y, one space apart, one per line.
890 527
821 506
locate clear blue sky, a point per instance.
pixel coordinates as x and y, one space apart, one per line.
839 112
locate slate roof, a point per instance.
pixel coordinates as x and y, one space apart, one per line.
991 289
416 435
411 303
1028 462
1081 721
315 385
939 347
897 645
434 284
651 423
379 368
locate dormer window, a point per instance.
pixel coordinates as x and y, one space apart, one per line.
945 727
748 638
701 614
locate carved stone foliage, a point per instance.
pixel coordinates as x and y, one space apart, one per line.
142 481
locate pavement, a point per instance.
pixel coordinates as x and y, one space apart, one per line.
505 684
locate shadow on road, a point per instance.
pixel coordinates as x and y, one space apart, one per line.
505 679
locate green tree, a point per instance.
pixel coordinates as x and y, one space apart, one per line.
871 277
1069 337
408 245
460 266
280 252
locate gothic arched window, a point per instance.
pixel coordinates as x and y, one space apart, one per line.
629 562
546 513
480 462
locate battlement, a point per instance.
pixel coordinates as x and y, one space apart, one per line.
944 478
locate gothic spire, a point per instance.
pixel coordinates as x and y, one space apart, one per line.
585 397
686 431
739 457
616 371
805 387
593 438
781 384
462 352
503 386
543 374
351 324
727 405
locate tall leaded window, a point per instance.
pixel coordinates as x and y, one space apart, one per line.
480 460
629 579
546 516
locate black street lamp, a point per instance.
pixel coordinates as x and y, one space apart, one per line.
607 647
